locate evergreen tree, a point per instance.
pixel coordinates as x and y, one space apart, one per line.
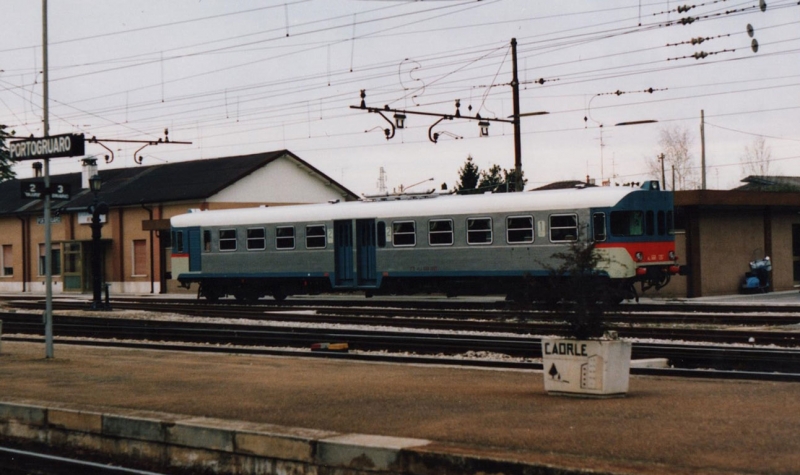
6 172
510 181
492 180
468 176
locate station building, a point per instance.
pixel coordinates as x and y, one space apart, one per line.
135 235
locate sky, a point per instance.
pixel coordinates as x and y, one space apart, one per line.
247 76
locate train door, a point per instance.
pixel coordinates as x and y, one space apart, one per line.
195 248
343 253
366 269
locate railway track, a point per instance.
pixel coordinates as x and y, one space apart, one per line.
749 330
329 310
158 334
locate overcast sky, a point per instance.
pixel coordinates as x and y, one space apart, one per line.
241 77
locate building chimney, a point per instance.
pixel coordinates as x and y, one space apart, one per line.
37 169
88 170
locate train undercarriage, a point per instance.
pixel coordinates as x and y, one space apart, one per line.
525 290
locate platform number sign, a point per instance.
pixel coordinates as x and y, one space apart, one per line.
36 190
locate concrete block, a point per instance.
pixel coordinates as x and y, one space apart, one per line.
26 414
201 433
75 420
18 430
138 428
82 440
137 450
281 442
200 460
268 445
364 452
650 363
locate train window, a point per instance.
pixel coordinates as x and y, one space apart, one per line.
206 241
227 239
315 236
563 227
519 229
404 233
662 224
627 223
381 234
440 232
599 227
178 242
256 239
479 230
649 223
284 237
671 225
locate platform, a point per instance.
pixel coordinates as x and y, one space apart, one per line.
664 425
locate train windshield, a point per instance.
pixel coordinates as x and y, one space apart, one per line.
627 223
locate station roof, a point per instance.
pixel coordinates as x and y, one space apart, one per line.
165 183
758 191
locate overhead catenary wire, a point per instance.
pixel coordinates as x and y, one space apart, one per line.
199 107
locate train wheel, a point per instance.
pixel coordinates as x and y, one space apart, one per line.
211 294
246 295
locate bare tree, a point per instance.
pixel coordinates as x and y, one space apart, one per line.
756 158
675 142
6 172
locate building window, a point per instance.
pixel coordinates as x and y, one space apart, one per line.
256 239
563 227
519 229
404 233
315 236
227 239
284 237
479 230
440 232
55 259
139 257
627 223
7 260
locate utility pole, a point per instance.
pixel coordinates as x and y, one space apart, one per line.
663 179
48 239
517 133
703 148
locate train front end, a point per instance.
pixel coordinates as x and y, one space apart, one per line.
635 239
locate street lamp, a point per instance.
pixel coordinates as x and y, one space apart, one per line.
97 208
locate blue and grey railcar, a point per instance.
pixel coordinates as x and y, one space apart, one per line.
455 245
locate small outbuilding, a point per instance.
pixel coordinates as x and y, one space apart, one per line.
719 232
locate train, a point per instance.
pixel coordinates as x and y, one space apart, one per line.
456 245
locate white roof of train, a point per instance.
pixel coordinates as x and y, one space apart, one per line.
445 205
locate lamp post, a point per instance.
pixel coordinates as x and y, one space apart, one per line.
98 208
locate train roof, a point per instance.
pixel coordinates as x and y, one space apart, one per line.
443 205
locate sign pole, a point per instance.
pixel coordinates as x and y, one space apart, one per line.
48 258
